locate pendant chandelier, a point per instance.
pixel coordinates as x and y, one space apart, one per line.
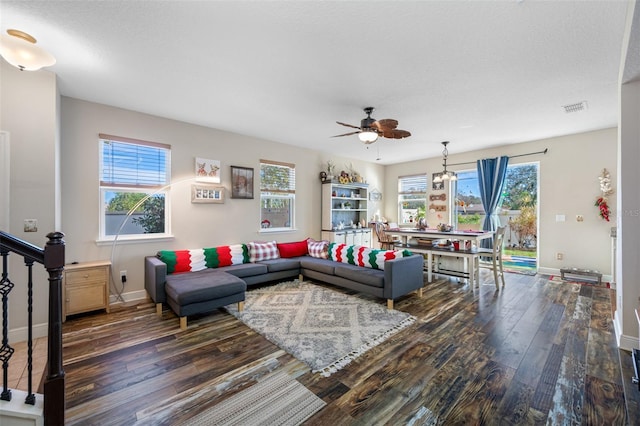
445 175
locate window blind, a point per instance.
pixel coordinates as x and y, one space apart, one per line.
277 177
131 163
415 184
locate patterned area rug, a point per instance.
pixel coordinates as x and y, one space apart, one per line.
277 400
323 328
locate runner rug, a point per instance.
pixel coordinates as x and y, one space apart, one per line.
277 400
323 328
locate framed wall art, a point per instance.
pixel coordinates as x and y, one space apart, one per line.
201 193
375 195
207 170
241 182
437 186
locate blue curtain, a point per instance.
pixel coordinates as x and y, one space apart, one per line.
491 176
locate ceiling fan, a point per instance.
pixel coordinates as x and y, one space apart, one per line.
370 129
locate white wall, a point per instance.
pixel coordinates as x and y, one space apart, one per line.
28 112
193 225
568 185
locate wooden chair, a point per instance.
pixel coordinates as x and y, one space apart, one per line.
492 258
386 241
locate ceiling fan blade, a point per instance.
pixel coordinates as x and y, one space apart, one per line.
348 125
346 134
396 134
385 124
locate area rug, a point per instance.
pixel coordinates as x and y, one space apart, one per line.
276 400
323 328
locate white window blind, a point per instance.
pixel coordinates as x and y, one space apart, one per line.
277 178
412 185
134 164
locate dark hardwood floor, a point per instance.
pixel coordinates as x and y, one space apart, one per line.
535 352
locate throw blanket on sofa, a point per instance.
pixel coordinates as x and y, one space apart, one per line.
199 259
363 256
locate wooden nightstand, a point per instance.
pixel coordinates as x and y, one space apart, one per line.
85 287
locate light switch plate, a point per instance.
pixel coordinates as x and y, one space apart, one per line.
560 218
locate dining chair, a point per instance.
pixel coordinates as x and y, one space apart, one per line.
386 241
492 258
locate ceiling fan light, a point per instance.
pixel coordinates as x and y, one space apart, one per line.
368 136
20 50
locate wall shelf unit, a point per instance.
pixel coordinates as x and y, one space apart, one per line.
344 206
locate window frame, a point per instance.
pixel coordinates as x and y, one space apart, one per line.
161 187
278 194
420 178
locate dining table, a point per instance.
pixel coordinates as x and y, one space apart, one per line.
468 243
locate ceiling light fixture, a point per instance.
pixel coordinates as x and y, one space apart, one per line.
20 50
445 175
368 136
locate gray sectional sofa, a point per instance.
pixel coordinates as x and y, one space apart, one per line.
190 293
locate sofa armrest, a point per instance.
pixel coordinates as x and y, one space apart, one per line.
403 275
155 275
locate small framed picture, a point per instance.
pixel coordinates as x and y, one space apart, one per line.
207 194
207 170
241 182
375 196
437 186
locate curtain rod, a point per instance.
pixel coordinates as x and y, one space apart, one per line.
513 156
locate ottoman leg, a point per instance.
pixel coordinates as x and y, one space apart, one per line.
159 309
183 323
240 306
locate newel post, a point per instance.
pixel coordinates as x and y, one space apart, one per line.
54 398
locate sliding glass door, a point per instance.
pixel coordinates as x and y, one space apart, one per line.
518 212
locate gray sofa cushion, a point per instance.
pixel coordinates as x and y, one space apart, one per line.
369 276
245 269
325 266
276 265
193 287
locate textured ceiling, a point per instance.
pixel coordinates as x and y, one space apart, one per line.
477 73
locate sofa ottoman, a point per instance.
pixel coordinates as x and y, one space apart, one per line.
203 291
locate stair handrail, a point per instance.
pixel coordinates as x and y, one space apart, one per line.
52 258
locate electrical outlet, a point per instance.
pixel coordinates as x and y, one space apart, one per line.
559 256
123 273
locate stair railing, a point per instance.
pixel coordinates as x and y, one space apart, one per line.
52 258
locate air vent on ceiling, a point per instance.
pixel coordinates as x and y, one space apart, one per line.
580 106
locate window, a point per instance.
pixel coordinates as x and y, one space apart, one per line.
412 198
134 176
468 209
277 195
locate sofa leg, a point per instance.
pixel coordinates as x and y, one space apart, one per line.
389 303
300 277
183 323
159 309
241 306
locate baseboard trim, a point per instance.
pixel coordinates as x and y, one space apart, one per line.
132 296
21 334
625 342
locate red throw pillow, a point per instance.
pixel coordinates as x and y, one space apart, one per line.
295 249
